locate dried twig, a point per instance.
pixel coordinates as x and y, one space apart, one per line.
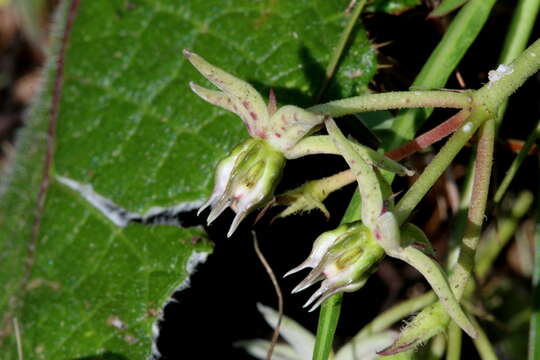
279 295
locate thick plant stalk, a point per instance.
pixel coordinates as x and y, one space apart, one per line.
462 270
482 344
453 351
393 100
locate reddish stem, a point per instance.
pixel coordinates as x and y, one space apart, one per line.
430 137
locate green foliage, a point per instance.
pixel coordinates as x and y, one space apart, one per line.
130 127
446 7
392 6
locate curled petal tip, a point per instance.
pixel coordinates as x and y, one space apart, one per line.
198 89
317 304
394 348
201 209
237 220
299 288
311 279
204 206
217 210
316 295
300 267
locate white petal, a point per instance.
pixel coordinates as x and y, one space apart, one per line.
300 339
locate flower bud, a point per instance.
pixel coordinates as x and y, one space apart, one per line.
306 197
343 258
245 180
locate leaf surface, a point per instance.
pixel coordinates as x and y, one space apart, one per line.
76 283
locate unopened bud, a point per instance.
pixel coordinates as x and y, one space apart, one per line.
343 258
245 180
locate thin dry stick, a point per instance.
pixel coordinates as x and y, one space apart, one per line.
279 295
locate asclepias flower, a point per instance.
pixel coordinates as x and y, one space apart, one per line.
247 177
338 258
343 258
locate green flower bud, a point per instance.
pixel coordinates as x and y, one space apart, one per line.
343 258
245 180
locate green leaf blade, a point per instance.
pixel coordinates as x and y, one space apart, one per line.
130 127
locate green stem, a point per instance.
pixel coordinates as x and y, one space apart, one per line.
527 64
520 29
482 344
534 330
518 35
461 33
453 351
338 51
486 102
491 246
328 319
445 7
396 313
460 219
461 272
464 29
394 100
331 308
439 164
516 164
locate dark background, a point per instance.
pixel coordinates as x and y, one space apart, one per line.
220 307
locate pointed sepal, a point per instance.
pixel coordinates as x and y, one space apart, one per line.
245 180
368 184
388 234
237 96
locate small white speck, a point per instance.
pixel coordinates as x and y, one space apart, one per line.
501 71
533 54
295 35
467 127
116 322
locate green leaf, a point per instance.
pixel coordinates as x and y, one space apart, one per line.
356 68
534 330
446 7
131 133
392 6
